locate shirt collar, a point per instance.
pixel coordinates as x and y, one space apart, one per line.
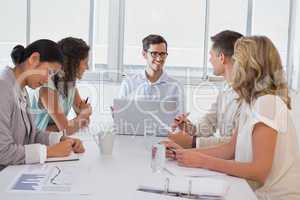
162 79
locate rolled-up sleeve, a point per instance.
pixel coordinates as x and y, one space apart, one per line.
207 125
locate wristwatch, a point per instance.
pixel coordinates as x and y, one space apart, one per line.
194 141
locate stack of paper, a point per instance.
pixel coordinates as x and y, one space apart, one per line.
71 157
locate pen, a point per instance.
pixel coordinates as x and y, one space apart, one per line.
64 132
172 150
181 120
86 100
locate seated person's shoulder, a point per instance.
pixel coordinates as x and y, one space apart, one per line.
272 110
8 93
132 78
173 81
6 86
269 101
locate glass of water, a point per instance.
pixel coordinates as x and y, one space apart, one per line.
150 130
158 158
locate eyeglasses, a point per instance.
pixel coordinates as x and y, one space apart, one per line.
156 54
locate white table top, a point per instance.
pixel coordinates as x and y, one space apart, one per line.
116 176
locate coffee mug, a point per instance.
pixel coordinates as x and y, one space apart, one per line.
105 142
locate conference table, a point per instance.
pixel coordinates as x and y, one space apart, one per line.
111 177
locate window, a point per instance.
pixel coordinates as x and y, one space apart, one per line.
101 32
179 22
274 24
13 27
295 71
115 29
57 19
226 15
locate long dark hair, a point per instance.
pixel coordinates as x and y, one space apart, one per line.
74 50
48 50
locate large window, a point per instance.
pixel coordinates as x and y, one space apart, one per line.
13 27
295 53
101 32
226 15
179 22
115 28
271 18
57 19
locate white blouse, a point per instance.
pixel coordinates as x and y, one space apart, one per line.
283 182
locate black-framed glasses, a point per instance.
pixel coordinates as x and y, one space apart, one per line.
156 54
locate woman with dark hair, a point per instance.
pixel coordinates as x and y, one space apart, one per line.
55 99
19 141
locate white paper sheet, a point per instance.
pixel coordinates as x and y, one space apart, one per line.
190 172
48 178
71 157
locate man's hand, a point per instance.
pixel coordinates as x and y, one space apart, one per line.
182 139
184 124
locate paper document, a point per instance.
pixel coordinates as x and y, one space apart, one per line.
71 157
203 187
49 178
190 172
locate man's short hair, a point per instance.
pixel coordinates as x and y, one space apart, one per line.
153 39
224 41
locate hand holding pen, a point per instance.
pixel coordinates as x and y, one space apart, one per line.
184 124
85 110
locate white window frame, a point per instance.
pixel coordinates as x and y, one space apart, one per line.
115 66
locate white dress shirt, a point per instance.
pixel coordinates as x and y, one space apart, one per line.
165 89
221 116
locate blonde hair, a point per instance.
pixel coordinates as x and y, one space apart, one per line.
258 70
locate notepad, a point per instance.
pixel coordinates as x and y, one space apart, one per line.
209 187
71 157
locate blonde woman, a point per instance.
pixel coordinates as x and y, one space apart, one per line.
264 148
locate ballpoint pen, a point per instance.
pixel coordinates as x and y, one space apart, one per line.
86 100
184 115
172 150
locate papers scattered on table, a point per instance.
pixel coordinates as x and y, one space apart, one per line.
194 188
48 178
176 170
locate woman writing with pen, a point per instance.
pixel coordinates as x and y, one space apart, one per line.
54 100
20 142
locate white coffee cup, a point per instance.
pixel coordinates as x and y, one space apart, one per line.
105 142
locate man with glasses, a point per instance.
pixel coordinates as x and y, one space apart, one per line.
154 83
